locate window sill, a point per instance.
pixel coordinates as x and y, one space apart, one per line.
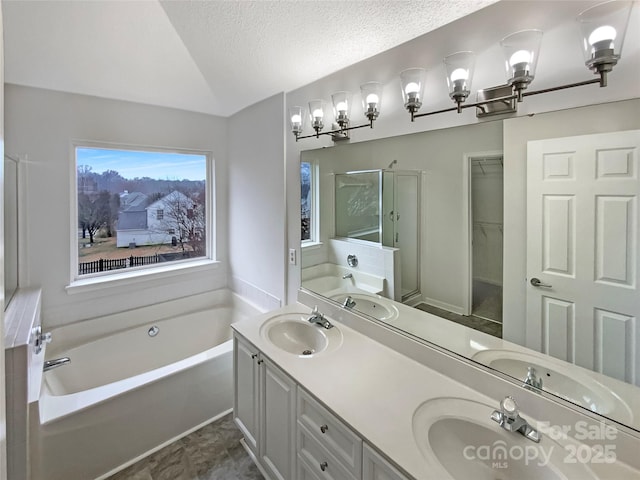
139 276
310 245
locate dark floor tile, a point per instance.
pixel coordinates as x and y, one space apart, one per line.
213 452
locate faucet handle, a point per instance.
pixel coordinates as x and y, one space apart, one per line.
509 407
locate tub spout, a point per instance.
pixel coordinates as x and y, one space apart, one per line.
57 362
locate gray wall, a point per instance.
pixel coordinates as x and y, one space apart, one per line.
41 125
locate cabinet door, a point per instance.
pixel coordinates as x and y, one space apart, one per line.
374 467
246 392
277 421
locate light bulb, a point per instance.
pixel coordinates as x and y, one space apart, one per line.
602 33
341 107
459 74
521 56
296 119
372 99
412 87
317 113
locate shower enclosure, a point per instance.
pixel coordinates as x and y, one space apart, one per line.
383 207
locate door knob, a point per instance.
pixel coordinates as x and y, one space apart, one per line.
537 283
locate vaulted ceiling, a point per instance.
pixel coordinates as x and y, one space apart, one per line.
214 56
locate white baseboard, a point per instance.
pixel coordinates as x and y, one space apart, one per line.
443 305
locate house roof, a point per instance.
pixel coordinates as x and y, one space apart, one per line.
134 201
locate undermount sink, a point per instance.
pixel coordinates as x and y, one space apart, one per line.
371 305
293 333
577 386
460 442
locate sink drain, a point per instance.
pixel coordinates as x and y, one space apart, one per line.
307 352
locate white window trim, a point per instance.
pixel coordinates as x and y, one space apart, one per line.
135 275
314 228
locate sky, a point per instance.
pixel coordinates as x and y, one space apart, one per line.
131 164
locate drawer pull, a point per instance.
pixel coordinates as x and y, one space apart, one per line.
254 355
260 361
324 428
323 466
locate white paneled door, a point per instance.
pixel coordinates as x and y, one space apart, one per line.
583 258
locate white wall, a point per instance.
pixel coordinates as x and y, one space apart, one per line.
257 220
517 132
560 62
41 125
3 422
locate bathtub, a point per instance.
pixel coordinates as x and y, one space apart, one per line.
127 393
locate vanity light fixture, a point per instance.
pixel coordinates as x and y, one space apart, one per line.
521 58
412 82
459 67
603 29
342 102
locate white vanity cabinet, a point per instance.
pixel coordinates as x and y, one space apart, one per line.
292 435
264 409
374 467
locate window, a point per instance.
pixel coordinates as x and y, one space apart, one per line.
308 203
130 204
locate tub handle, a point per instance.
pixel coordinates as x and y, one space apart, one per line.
40 339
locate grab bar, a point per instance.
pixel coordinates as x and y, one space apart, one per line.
57 362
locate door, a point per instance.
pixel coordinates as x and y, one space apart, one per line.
582 251
407 236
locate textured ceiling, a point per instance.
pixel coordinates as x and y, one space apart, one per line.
214 56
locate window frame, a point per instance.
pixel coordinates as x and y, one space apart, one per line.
314 224
130 275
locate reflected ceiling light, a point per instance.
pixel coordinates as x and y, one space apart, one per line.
603 28
459 67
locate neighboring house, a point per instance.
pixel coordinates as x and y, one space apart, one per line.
153 224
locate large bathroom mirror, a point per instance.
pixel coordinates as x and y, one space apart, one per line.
480 272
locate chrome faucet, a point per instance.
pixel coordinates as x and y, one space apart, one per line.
532 382
57 362
509 418
317 318
349 302
347 275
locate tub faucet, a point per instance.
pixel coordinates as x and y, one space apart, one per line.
347 275
532 382
317 318
349 302
57 362
508 417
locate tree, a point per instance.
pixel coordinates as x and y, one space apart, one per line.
94 211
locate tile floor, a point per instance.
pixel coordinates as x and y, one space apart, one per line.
211 453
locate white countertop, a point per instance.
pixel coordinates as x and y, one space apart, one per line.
376 390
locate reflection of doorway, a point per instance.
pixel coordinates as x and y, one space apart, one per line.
486 212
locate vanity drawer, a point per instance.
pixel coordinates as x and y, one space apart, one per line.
305 471
334 435
319 459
